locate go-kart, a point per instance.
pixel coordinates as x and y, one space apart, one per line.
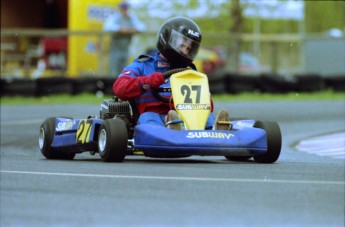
116 134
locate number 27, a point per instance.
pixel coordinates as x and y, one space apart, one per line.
83 132
186 91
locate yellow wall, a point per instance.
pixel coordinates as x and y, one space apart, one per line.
84 51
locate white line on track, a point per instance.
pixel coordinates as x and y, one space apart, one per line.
204 179
332 145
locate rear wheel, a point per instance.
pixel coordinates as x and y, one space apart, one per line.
112 140
45 139
274 141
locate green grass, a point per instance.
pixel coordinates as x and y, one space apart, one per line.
53 99
93 99
293 96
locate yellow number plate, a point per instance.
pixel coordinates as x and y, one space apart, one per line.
191 95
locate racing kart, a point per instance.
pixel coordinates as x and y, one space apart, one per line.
115 134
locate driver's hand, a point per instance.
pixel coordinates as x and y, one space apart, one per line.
154 80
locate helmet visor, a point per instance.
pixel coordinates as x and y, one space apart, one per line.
183 45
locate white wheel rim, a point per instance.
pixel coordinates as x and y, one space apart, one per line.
41 138
102 140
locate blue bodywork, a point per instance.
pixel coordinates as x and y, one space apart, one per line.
243 140
66 134
158 141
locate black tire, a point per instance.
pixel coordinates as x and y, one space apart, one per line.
46 135
112 140
238 158
54 85
274 141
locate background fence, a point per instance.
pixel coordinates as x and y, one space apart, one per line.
35 62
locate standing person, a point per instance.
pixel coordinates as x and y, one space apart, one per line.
124 25
178 42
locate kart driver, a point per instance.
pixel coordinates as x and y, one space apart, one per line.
178 41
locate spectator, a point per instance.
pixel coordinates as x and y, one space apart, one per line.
124 25
178 42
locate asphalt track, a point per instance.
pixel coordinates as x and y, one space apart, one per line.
301 189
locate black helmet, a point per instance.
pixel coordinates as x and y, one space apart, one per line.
178 40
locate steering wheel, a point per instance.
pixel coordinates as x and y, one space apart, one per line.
156 91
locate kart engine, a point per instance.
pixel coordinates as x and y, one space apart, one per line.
113 107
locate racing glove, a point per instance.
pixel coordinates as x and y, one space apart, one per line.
154 80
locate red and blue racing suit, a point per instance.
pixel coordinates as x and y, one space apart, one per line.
128 87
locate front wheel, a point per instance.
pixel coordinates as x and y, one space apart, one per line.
112 140
45 139
274 141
